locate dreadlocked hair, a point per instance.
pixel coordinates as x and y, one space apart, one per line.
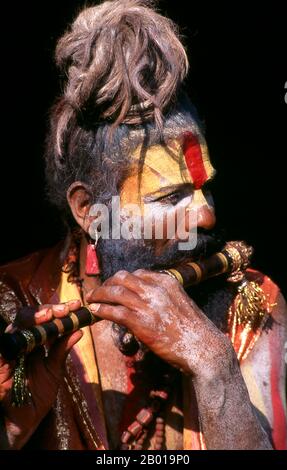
124 62
124 66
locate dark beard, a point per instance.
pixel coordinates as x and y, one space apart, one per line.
213 296
130 255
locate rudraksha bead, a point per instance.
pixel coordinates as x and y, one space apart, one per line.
145 416
135 428
126 437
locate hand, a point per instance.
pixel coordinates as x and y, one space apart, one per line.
160 314
44 375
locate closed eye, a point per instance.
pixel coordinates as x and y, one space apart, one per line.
172 198
175 196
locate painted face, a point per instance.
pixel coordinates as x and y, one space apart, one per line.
171 175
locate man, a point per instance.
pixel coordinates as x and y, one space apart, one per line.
124 128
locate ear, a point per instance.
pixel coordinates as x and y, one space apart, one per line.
79 199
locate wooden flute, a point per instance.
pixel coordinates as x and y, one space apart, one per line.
233 259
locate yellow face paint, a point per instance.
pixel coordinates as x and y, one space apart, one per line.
166 168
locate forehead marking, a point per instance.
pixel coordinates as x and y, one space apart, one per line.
194 160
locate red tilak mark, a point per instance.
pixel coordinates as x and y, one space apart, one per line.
194 161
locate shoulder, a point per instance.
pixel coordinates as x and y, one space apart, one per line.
21 268
14 278
17 276
275 305
269 287
264 369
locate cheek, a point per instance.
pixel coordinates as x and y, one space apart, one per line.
129 193
160 221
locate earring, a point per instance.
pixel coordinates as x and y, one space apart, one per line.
92 262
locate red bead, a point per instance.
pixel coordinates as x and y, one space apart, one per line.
158 447
138 447
162 394
125 447
126 437
135 428
144 417
159 426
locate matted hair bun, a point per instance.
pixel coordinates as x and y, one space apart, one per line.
124 63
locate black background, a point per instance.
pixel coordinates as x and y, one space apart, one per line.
236 81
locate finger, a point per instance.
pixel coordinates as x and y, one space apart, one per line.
74 305
25 317
62 310
126 279
30 316
10 328
58 353
117 314
146 275
6 372
117 295
157 278
48 312
44 315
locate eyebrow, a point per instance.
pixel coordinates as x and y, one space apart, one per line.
167 190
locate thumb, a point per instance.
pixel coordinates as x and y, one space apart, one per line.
58 353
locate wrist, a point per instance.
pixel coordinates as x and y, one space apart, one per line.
222 367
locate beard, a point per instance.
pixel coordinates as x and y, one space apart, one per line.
213 296
130 255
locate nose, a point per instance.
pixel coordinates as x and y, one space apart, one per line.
206 217
205 213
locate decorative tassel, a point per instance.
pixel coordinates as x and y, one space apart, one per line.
20 391
250 304
92 262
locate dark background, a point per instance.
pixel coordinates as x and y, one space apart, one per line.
236 81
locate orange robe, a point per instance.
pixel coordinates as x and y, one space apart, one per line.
77 419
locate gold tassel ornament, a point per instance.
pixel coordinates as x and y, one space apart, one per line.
20 391
250 304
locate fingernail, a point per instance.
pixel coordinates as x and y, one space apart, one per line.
59 308
71 302
41 314
94 307
8 329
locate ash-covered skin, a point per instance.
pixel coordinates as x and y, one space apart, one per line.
124 255
163 317
224 405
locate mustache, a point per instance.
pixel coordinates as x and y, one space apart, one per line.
139 254
208 243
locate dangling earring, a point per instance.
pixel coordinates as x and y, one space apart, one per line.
92 262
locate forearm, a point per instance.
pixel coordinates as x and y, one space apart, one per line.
226 413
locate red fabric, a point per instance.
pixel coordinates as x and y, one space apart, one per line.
194 161
279 421
137 390
279 431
